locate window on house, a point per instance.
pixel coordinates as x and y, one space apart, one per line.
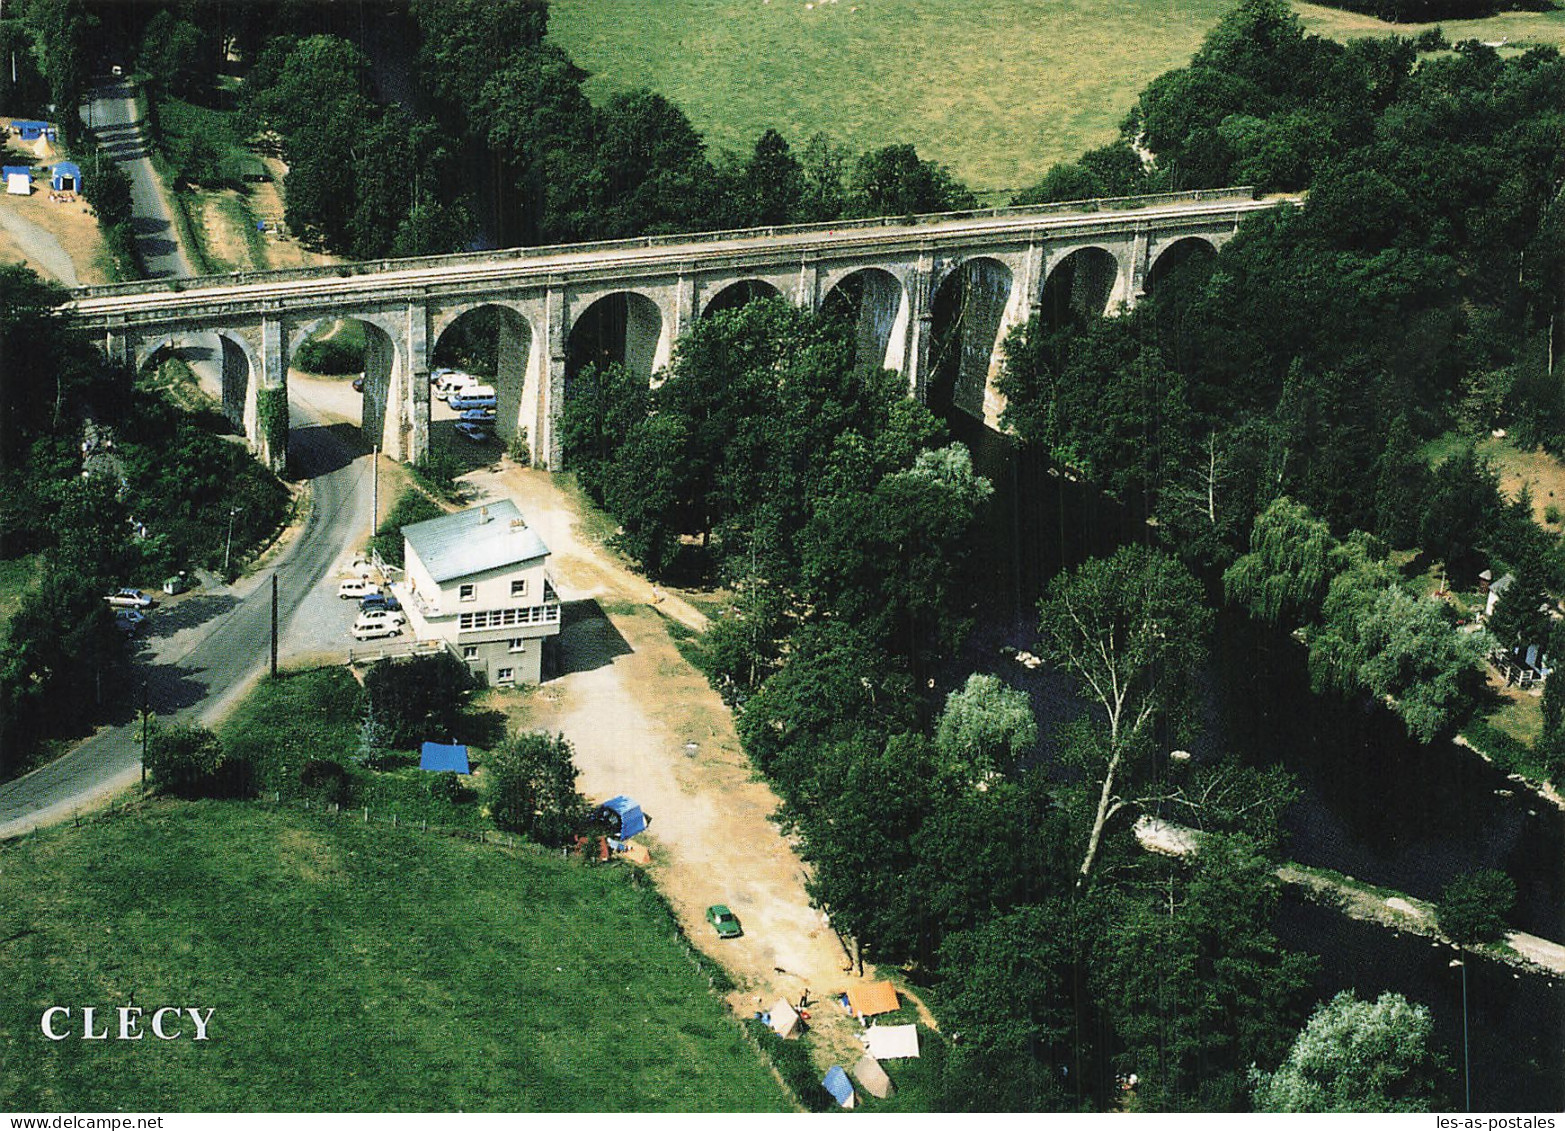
467 592
518 643
519 588
469 651
505 675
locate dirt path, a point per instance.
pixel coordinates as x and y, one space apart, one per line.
644 722
40 247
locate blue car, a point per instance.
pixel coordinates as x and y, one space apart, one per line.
386 601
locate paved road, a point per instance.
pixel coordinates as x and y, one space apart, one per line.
111 114
199 655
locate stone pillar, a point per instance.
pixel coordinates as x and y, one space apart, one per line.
807 293
413 426
118 347
685 298
1140 251
266 399
1032 276
557 329
920 325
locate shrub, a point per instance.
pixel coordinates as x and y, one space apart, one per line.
326 780
532 788
331 356
1473 907
447 786
419 698
187 761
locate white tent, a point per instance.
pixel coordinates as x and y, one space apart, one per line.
889 1042
873 1077
785 1021
19 184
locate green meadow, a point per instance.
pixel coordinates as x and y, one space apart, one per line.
350 968
998 90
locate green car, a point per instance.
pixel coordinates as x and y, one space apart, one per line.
724 921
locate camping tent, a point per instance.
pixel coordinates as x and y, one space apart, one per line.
837 1083
873 1077
18 180
32 131
890 1042
440 757
871 998
785 1022
67 177
623 816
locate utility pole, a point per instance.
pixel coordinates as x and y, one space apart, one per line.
274 625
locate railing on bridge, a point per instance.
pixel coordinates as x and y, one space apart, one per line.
505 255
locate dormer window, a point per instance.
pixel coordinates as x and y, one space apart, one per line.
519 588
467 592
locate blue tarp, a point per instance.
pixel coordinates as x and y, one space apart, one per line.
628 813
67 171
440 757
838 1084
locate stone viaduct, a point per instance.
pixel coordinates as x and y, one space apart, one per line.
932 297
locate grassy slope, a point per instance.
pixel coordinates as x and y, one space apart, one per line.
351 968
999 91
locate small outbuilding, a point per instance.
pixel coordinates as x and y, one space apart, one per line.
18 180
442 758
67 177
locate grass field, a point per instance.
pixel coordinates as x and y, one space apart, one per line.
999 91
351 968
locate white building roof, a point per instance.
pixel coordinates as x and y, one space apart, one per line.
474 541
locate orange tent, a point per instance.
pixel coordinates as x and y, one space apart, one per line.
871 998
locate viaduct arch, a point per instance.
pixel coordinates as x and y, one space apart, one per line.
931 297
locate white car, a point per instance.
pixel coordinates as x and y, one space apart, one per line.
129 620
377 622
453 381
129 599
357 588
475 432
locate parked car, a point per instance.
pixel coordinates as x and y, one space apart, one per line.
357 587
475 432
377 622
724 921
477 415
380 601
454 381
129 620
472 396
129 599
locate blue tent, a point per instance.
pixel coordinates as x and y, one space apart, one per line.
837 1083
623 815
18 171
67 177
32 131
440 757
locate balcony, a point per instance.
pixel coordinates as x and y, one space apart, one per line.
484 620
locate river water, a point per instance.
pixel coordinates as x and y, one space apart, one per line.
1375 805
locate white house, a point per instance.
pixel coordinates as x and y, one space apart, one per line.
478 581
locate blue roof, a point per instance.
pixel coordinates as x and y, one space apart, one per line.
18 170
631 820
440 757
838 1084
69 168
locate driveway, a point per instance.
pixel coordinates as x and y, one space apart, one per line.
643 721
